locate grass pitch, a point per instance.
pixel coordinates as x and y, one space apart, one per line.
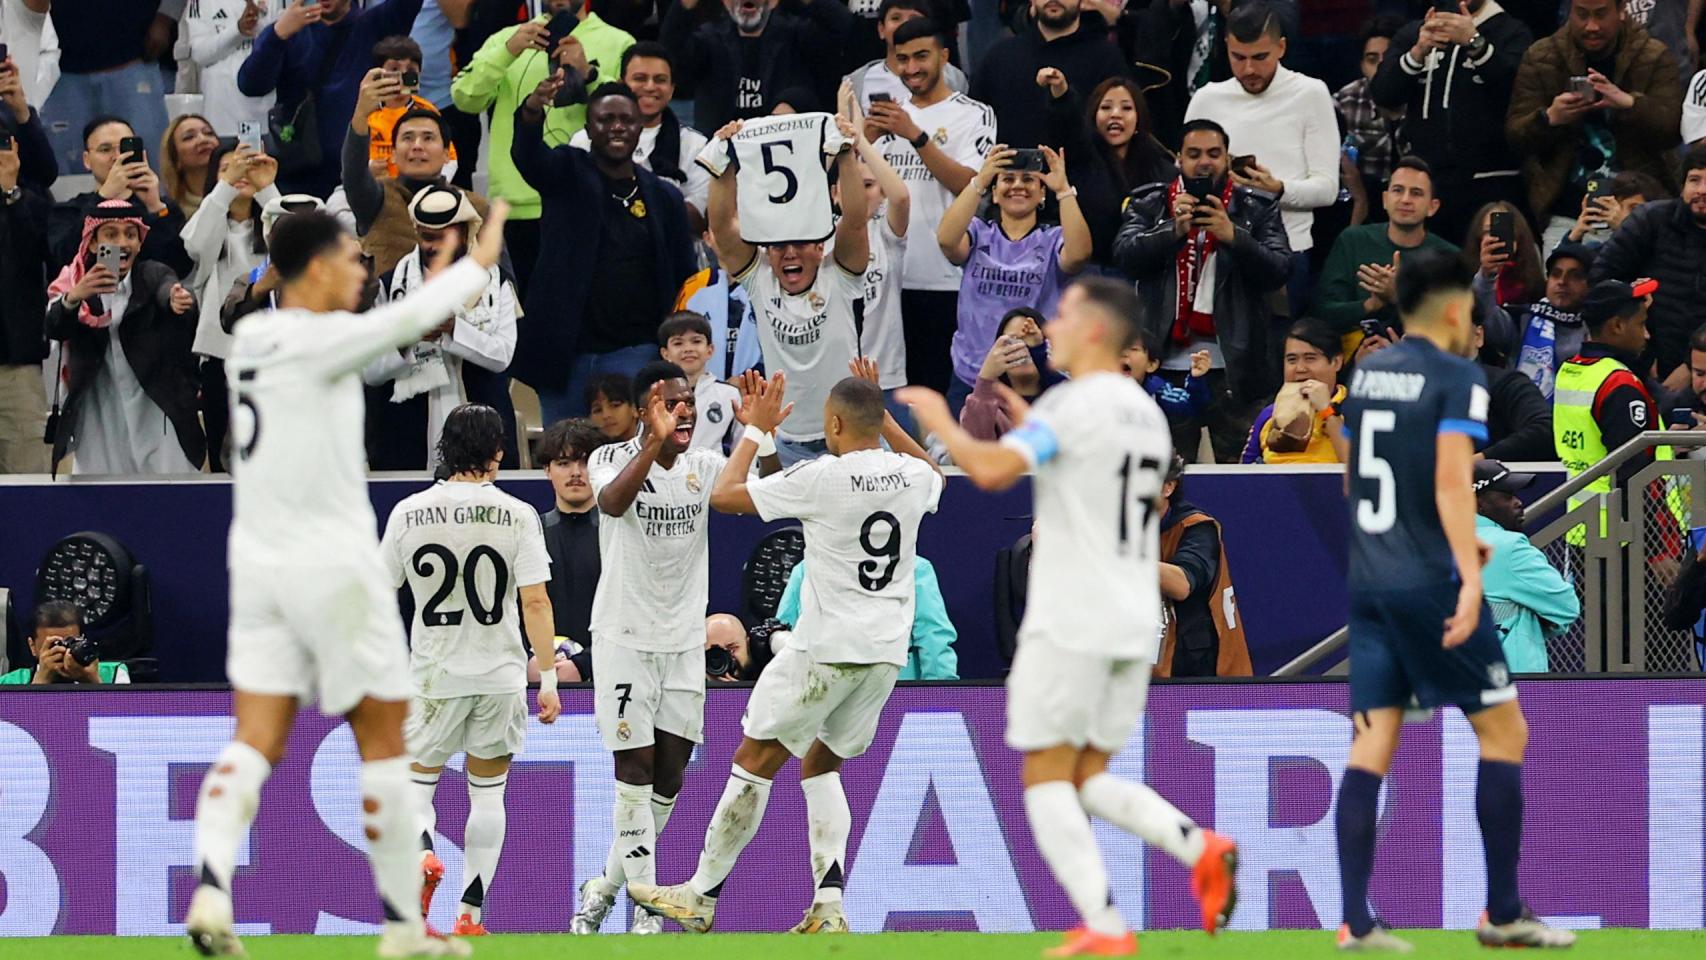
1276 945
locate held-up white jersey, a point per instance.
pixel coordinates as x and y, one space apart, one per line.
783 176
299 481
464 549
715 422
1100 448
811 336
861 513
654 583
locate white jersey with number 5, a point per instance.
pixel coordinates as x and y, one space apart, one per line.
861 513
464 549
1100 448
299 483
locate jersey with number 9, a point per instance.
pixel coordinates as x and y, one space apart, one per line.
1399 402
1100 448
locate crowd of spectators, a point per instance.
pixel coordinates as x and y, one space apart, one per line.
1257 169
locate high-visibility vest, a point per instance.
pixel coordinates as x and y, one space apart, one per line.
1576 434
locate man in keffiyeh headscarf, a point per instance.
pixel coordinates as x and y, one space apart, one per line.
130 404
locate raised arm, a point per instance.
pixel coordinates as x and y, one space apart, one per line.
657 422
1076 242
898 439
894 189
545 170
852 239
992 466
733 253
763 408
953 234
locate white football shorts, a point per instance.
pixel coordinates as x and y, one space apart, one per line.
798 700
636 694
326 632
486 726
1061 697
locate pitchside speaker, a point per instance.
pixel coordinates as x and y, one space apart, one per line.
765 576
98 573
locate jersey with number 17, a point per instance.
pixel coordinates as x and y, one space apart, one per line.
1100 448
1399 402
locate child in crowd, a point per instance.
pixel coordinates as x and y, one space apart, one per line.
684 339
1179 401
610 398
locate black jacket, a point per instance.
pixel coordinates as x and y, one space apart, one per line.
1455 118
157 343
37 165
23 277
1006 80
1092 168
571 539
165 243
1198 649
1257 262
793 51
1661 240
1519 420
571 223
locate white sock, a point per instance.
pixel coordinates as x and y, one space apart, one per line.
483 840
662 808
631 858
426 787
230 795
829 822
391 818
733 826
1144 814
1064 839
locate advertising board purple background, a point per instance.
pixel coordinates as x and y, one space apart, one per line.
97 792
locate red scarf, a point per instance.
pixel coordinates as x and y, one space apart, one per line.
1192 255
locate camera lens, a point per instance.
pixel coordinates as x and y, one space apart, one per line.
718 662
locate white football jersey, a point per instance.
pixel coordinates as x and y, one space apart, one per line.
882 338
782 175
811 337
965 129
299 476
715 422
463 549
654 583
861 513
1100 448
220 49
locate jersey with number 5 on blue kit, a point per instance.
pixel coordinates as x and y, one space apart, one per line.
1399 402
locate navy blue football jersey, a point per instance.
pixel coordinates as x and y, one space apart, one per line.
1399 401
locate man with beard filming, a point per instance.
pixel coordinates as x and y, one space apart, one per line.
738 63
63 654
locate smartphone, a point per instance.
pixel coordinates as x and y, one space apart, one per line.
1682 418
559 26
411 79
1030 160
1583 87
1241 164
130 150
226 145
249 135
881 98
1372 327
108 256
5 140
1502 225
1447 6
1200 187
5 51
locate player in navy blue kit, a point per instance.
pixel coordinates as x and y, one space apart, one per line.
1420 633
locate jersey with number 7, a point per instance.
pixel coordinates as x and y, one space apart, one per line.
1100 448
1399 402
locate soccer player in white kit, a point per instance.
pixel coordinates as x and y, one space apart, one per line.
312 616
1099 447
822 696
464 547
648 625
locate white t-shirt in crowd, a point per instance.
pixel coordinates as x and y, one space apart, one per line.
883 339
811 337
697 189
299 476
1100 448
654 583
463 549
965 129
860 512
876 77
715 422
219 50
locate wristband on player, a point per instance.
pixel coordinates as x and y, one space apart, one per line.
548 679
766 443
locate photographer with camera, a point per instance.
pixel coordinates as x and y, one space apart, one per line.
728 652
63 654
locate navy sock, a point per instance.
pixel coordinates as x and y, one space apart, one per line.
1359 807
1498 808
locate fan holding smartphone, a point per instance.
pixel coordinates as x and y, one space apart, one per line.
399 61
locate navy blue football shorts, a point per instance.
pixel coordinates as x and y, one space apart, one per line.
1397 659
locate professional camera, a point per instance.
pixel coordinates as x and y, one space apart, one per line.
719 662
768 637
81 649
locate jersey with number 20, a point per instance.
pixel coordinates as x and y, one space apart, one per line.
1100 447
1400 400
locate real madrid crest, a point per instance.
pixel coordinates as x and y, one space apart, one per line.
693 484
623 731
637 209
816 301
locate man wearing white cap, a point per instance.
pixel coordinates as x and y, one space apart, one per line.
422 383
